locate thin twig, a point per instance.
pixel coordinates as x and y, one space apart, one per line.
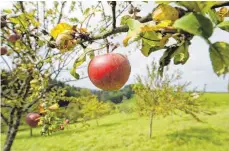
5 119
107 25
6 63
61 12
5 105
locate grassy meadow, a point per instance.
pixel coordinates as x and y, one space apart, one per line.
129 132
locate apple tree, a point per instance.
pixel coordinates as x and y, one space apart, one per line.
39 40
162 96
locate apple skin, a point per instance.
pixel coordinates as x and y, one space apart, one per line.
13 38
110 71
32 119
3 51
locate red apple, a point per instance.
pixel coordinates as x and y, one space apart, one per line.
3 50
110 71
32 119
14 37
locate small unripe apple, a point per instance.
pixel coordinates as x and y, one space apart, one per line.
61 127
3 50
32 119
66 121
110 71
14 38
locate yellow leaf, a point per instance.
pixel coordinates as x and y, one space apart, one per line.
42 109
223 12
54 107
165 23
165 12
83 30
162 25
147 28
165 39
125 41
40 123
60 28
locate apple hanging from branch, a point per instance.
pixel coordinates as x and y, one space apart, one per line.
32 119
110 71
3 50
13 38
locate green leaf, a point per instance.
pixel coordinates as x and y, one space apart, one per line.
134 31
76 64
14 20
86 11
8 11
214 17
219 54
150 42
166 59
79 61
181 54
74 19
134 25
124 19
196 24
198 6
224 25
91 55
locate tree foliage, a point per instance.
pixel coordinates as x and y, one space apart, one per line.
163 96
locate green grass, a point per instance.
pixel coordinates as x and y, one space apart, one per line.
129 132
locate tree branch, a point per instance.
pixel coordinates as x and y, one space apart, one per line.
11 120
220 5
120 29
6 105
106 23
34 101
61 12
5 119
113 6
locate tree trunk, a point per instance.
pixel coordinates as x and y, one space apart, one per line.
31 132
150 125
97 122
12 131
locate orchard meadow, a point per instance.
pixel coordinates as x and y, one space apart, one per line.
114 76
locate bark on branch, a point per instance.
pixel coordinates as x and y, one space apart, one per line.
120 29
4 119
113 8
61 12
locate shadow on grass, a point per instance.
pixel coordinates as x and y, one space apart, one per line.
108 125
199 134
69 131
